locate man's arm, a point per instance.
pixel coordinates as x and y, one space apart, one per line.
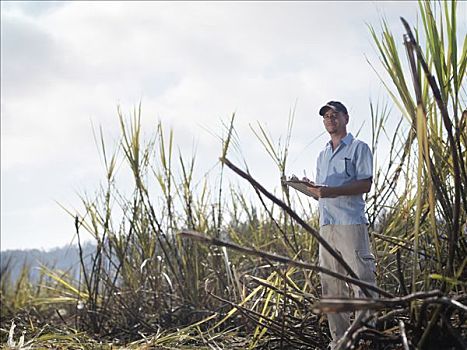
349 189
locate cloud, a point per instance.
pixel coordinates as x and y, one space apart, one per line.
190 63
28 54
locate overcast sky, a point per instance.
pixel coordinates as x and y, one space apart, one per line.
67 65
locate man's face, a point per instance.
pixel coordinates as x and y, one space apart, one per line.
335 122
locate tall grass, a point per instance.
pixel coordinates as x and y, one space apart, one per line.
148 286
432 107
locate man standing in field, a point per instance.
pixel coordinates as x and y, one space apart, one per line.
345 171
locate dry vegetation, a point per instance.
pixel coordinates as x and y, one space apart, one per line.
179 265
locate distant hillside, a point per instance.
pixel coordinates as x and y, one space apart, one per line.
63 259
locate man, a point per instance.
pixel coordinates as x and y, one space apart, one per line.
344 168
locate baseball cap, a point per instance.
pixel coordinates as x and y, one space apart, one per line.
335 106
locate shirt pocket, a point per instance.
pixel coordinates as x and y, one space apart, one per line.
346 168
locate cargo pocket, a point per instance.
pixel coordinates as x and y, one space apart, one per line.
368 265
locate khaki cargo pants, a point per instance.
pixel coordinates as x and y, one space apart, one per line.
352 243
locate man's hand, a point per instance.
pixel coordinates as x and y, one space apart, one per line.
307 180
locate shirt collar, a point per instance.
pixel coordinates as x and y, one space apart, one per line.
346 140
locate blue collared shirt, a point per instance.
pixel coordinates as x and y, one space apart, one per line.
351 160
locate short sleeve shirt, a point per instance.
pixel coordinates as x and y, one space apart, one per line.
350 161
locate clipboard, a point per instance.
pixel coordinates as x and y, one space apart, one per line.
301 186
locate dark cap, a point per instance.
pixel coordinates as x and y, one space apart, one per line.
335 106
